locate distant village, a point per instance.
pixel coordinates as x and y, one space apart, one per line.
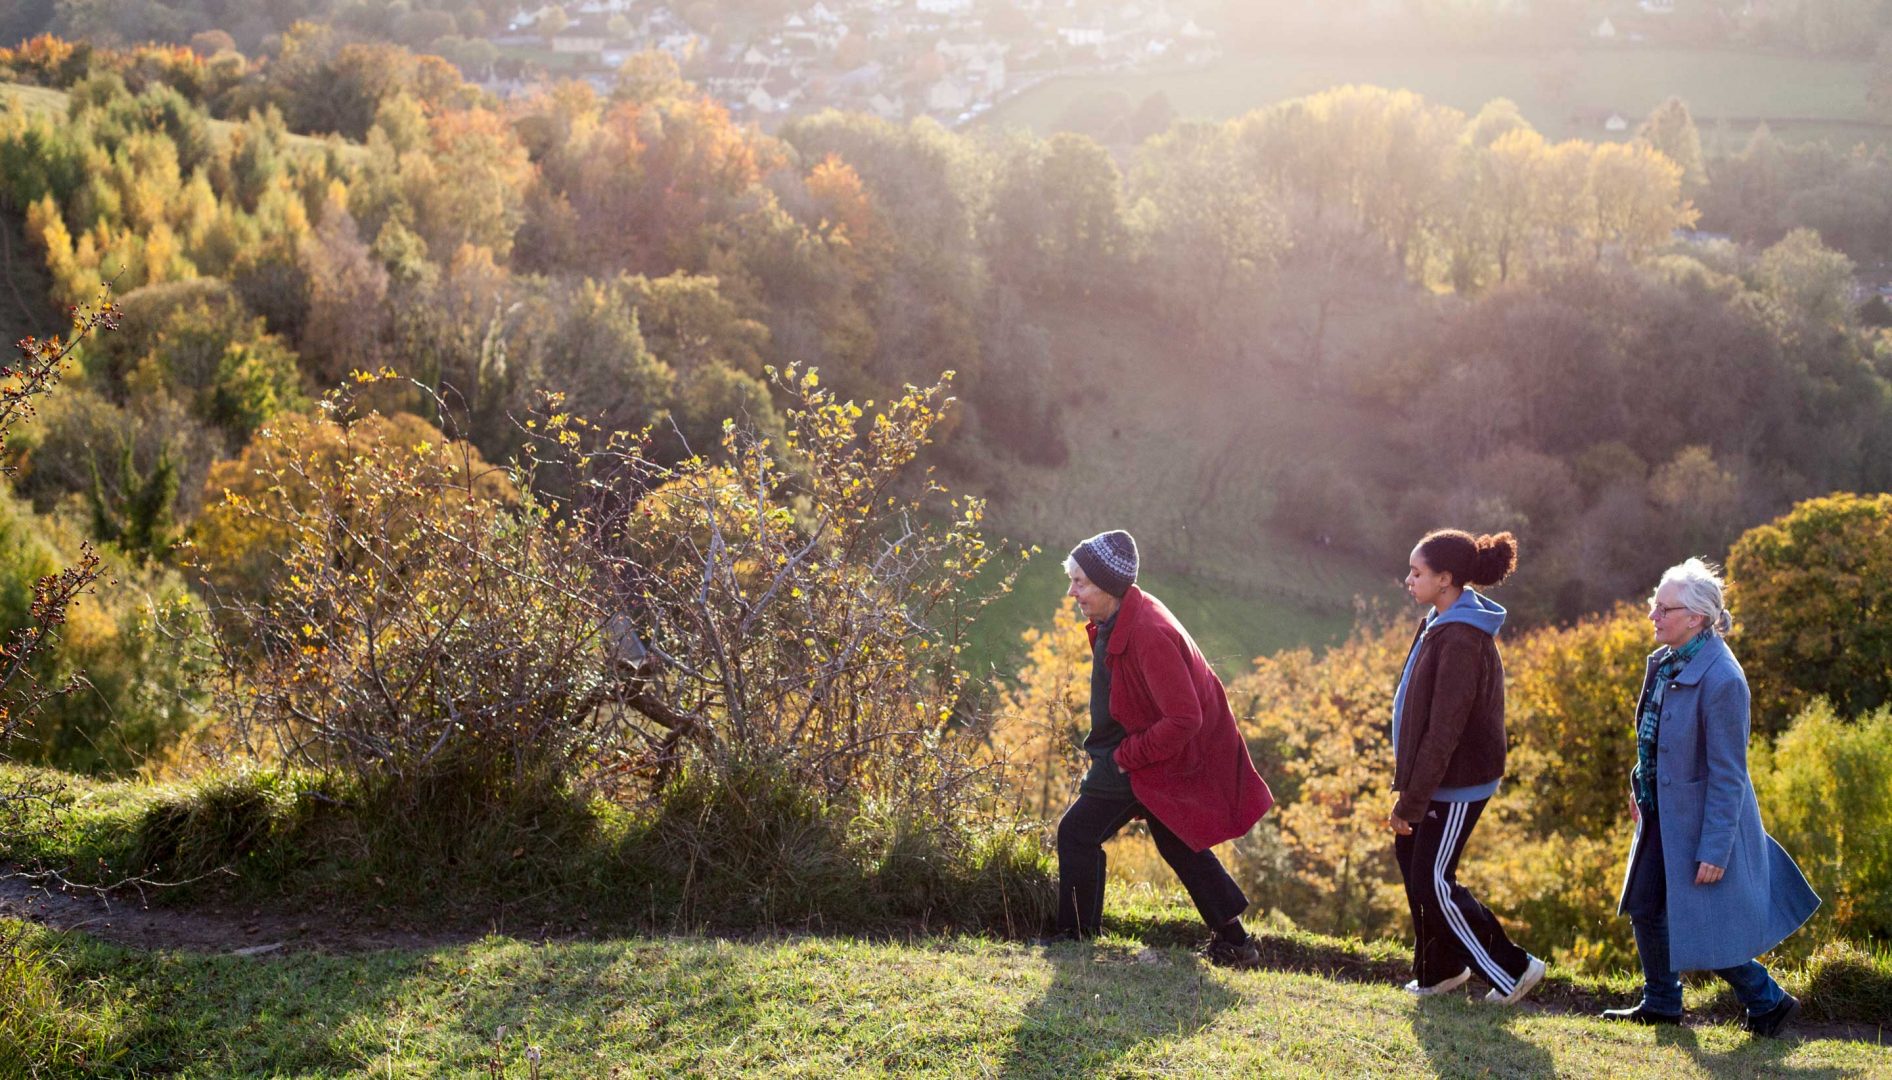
898 59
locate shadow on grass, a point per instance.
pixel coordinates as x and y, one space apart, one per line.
1387 962
1755 1055
1345 960
459 1009
237 1015
1103 1004
1461 1039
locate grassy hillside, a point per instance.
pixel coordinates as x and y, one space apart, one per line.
784 1007
1551 88
1185 455
1232 628
38 100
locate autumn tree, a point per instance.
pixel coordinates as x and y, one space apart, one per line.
469 188
252 517
1213 232
1670 129
1057 216
1822 787
1811 593
346 286
1635 200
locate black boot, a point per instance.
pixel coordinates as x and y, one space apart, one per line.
1640 1015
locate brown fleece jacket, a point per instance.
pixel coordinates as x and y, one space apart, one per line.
1451 727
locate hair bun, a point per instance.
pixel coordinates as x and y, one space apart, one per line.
1497 557
1724 622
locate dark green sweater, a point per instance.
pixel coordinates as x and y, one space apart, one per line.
1104 778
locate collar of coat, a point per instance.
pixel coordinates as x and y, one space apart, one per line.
1129 614
1711 652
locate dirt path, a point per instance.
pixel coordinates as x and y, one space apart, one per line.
123 918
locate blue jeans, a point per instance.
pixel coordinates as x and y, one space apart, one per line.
1662 985
1647 903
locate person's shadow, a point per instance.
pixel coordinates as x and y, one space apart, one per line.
1755 1056
1104 1002
1464 1039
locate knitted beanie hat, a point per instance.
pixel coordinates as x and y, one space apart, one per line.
1109 559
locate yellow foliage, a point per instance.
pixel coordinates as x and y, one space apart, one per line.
1039 724
254 502
1319 729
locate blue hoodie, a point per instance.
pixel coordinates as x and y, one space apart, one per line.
1486 615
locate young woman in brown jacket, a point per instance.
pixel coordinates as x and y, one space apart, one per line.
1448 754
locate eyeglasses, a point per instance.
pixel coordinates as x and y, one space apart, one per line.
1661 611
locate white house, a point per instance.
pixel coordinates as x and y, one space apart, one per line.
885 107
1605 30
945 7
987 72
1616 123
1080 36
948 96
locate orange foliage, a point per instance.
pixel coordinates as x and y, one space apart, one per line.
847 212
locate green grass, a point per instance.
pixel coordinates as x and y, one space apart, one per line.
1717 83
786 1007
767 1004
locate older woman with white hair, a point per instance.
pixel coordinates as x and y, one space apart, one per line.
1706 888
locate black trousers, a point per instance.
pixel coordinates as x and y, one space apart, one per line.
1093 819
1453 930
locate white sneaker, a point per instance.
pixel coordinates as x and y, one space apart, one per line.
1533 974
1445 987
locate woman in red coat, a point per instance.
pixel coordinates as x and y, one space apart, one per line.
1163 747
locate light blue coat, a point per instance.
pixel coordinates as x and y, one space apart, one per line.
1709 814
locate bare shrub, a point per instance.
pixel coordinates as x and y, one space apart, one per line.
756 645
420 624
796 605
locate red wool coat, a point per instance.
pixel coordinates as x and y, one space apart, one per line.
1187 762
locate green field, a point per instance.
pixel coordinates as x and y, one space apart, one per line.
1183 453
1797 96
831 1007
1230 628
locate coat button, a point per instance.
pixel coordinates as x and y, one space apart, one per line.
1665 781
1664 748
